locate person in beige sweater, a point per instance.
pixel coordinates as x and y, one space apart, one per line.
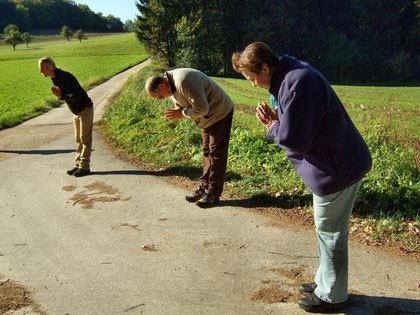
199 98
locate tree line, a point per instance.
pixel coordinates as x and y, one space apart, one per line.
53 14
350 41
12 35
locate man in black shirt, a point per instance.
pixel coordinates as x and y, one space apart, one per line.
67 88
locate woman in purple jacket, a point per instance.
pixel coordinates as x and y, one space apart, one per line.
327 152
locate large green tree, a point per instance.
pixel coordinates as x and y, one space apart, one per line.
80 35
13 38
155 27
197 40
128 26
66 32
26 38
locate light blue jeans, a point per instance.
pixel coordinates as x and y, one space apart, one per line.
332 218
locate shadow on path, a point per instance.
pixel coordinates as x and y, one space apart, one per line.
191 172
128 172
266 200
379 305
42 152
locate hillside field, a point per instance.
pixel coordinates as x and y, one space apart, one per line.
24 92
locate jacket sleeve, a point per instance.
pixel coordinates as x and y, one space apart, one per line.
303 109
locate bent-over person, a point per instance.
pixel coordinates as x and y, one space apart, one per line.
199 98
67 88
327 152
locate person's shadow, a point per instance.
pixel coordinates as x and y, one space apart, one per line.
264 200
41 152
378 305
128 172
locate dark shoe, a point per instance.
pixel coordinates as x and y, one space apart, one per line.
81 172
307 288
196 195
72 171
208 200
312 303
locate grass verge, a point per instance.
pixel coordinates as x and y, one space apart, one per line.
261 177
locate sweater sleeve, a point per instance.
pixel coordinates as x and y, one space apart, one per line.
300 121
193 90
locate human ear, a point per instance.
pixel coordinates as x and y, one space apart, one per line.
265 68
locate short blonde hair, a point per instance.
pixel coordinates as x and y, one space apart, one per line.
47 61
253 57
152 84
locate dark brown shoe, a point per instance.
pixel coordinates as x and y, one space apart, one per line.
196 195
307 288
72 171
81 172
313 304
208 200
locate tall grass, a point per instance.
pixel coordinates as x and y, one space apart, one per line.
259 169
24 92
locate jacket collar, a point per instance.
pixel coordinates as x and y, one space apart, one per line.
279 72
171 81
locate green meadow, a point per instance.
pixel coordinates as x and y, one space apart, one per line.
24 92
399 106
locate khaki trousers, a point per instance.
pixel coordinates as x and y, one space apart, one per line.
215 153
83 125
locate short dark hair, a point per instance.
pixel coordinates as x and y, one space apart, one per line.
152 84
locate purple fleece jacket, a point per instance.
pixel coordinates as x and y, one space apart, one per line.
320 140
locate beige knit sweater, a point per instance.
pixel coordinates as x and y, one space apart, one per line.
204 101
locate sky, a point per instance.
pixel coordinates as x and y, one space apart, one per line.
123 9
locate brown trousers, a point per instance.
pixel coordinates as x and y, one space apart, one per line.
83 125
215 153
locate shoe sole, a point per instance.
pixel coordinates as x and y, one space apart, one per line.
190 199
71 172
81 175
323 308
207 205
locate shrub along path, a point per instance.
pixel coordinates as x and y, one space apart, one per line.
123 240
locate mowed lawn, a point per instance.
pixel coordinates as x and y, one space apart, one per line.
399 105
24 92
